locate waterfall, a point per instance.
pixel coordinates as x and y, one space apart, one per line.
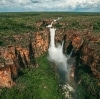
57 56
52 36
56 53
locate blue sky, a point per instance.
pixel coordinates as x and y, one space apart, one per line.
50 5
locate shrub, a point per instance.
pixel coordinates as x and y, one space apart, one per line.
96 26
88 88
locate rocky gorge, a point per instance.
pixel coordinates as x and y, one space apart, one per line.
17 56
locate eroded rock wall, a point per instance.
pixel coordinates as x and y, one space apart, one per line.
16 56
86 46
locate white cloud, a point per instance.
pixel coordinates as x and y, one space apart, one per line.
78 3
47 5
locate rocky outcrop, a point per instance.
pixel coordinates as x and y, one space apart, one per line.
40 43
86 48
5 77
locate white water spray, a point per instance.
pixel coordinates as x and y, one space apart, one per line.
56 55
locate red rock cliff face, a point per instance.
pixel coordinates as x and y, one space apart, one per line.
89 47
17 56
41 42
5 77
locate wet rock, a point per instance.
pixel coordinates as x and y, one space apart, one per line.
67 91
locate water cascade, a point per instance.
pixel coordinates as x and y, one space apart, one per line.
57 56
